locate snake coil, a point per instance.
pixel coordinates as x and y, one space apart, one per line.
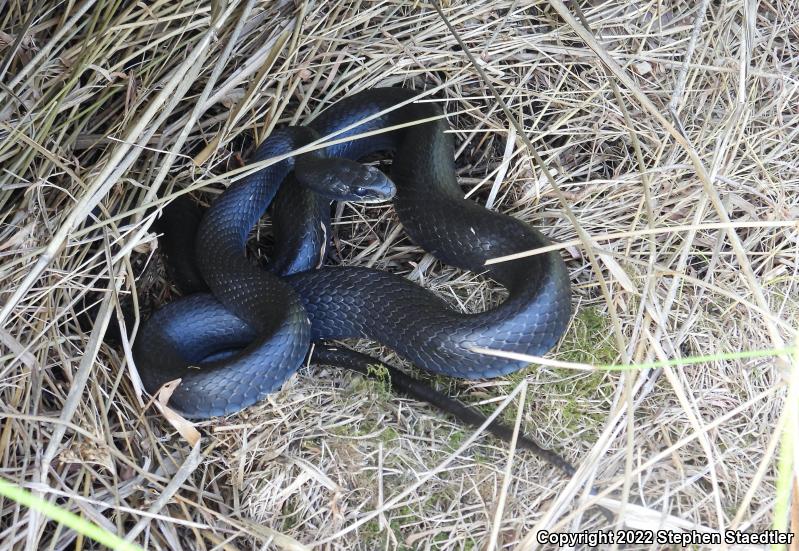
244 338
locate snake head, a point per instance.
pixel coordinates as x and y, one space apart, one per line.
345 180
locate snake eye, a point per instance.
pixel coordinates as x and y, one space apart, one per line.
360 191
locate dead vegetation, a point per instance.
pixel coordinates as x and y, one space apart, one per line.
671 138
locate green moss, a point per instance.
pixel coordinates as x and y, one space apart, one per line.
389 435
377 383
373 538
455 439
577 391
367 426
371 535
381 378
589 340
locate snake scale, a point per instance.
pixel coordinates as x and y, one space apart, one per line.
241 340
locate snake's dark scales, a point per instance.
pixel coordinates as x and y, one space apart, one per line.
284 315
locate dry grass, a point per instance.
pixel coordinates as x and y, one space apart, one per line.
671 140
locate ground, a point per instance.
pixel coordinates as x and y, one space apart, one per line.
669 132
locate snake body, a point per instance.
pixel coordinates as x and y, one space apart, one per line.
242 340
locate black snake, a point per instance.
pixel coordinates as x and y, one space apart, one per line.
240 341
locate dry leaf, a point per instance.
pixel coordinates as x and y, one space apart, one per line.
181 424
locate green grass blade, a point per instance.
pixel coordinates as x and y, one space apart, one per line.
62 516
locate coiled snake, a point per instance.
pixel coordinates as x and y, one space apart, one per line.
242 340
